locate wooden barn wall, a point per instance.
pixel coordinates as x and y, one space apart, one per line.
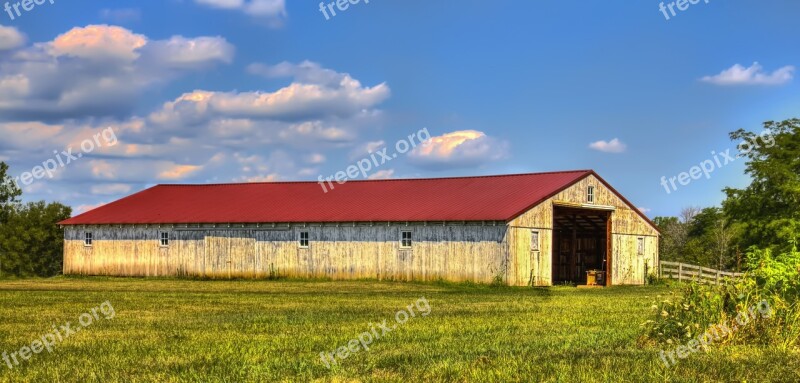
628 267
527 267
456 253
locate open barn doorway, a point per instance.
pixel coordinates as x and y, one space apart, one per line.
580 244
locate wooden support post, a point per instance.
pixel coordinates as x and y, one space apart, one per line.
680 272
609 249
573 266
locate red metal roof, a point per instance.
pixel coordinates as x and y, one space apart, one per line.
486 198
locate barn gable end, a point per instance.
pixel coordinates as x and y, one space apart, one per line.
628 227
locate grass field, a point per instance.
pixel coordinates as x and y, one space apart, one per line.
242 331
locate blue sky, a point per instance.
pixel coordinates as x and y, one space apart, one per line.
236 91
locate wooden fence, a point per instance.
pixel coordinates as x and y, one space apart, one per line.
687 272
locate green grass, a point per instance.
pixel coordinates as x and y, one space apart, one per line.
241 331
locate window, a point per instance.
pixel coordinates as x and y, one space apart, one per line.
534 241
640 246
303 239
87 238
590 194
164 239
405 239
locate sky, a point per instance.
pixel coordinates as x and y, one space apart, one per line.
114 97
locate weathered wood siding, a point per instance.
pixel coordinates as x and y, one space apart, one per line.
463 252
628 267
527 267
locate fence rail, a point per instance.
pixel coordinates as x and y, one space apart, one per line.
687 272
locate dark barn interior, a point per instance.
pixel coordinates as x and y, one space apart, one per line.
579 243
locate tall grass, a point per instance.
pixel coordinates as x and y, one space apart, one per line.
771 287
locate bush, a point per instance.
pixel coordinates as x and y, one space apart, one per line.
770 288
31 243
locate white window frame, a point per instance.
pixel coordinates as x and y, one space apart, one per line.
535 240
403 239
300 239
163 242
88 238
640 246
590 194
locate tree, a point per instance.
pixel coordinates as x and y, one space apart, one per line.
714 234
675 234
699 236
688 214
768 210
31 243
31 240
9 192
672 238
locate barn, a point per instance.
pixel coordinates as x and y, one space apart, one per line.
536 229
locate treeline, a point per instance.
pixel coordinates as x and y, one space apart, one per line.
31 243
764 215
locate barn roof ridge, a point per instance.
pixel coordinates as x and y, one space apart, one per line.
581 171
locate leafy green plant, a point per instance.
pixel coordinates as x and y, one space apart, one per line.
772 283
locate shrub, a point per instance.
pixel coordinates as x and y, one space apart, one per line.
770 286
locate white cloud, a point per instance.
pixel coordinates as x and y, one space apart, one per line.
182 52
111 189
364 150
613 146
10 38
459 149
98 42
315 158
644 210
84 208
271 10
382 175
23 135
306 72
315 130
174 171
58 93
754 75
259 168
265 178
310 97
98 70
104 170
